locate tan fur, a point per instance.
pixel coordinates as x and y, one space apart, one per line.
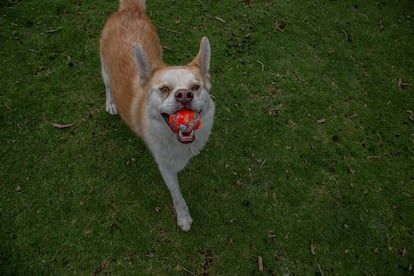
121 32
132 5
134 75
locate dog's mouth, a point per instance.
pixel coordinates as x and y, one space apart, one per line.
184 135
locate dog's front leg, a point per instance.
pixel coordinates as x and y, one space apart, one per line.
184 219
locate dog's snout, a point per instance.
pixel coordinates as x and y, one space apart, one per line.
184 96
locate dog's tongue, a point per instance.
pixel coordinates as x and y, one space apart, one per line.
186 135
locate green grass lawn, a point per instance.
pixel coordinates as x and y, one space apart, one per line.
310 166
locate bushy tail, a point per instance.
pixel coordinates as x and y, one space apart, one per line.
132 5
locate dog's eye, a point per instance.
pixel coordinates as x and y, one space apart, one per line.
164 89
195 87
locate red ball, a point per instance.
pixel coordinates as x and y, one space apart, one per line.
183 119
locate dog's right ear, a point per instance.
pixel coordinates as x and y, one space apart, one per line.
142 63
202 61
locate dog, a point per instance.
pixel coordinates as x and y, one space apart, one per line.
144 91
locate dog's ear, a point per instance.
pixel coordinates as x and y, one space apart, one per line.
202 61
142 63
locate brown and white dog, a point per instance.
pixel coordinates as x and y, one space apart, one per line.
144 91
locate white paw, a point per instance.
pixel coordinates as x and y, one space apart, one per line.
111 108
185 222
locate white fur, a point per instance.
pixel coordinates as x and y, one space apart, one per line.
170 155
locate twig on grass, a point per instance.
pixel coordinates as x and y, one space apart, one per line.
320 270
60 126
263 163
187 270
221 20
261 63
169 49
17 4
348 37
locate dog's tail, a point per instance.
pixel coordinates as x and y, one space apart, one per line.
132 5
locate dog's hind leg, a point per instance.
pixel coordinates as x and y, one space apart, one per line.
110 106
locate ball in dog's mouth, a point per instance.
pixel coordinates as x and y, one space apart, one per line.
184 123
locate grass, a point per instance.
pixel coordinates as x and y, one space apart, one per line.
310 166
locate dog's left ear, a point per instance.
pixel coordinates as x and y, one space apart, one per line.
202 61
142 63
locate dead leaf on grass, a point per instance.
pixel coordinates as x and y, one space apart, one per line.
291 123
271 234
352 116
260 263
62 126
374 157
280 26
208 257
230 241
53 29
402 84
403 251
102 267
321 121
410 115
312 247
150 255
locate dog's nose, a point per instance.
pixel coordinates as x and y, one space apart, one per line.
184 96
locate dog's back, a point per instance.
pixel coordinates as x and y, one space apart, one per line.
128 27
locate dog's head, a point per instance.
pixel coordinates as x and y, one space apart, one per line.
173 88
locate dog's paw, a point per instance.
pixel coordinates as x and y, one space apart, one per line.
185 222
111 108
